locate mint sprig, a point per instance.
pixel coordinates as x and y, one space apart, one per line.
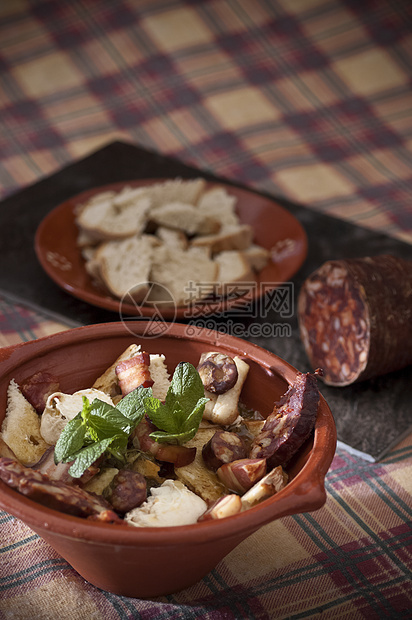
178 418
100 427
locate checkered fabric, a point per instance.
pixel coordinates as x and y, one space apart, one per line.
305 99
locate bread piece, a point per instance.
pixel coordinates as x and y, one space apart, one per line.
6 451
107 382
220 205
21 427
128 196
124 266
233 267
185 217
256 256
89 252
186 274
106 221
101 481
160 376
86 239
148 468
172 237
229 238
196 476
176 190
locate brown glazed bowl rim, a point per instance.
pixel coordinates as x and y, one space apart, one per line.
306 492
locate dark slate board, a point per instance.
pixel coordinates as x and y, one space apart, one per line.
371 417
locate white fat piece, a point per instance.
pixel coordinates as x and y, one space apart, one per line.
60 408
170 504
223 409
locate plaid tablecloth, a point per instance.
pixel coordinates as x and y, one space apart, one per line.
307 99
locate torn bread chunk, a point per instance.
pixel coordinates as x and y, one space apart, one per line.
229 238
175 190
257 256
185 217
129 196
185 274
21 428
160 376
101 481
233 267
196 475
223 409
105 221
86 239
172 237
220 205
124 266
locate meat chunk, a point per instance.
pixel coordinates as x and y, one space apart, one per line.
290 424
128 491
54 494
223 447
134 372
355 318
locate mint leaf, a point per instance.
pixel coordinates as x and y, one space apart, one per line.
179 417
185 388
104 420
194 419
132 405
97 427
173 438
87 456
161 415
71 439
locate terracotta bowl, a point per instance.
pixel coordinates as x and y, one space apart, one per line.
149 562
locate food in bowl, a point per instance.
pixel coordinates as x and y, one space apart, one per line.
141 449
136 561
150 242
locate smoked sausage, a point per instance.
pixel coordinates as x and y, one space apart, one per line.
54 494
290 424
355 318
129 490
223 447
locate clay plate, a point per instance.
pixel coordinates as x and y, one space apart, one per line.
147 562
274 228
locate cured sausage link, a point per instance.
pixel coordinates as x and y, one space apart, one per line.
37 388
129 491
223 447
290 424
54 494
355 318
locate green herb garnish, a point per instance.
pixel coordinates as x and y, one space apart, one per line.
100 427
178 418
